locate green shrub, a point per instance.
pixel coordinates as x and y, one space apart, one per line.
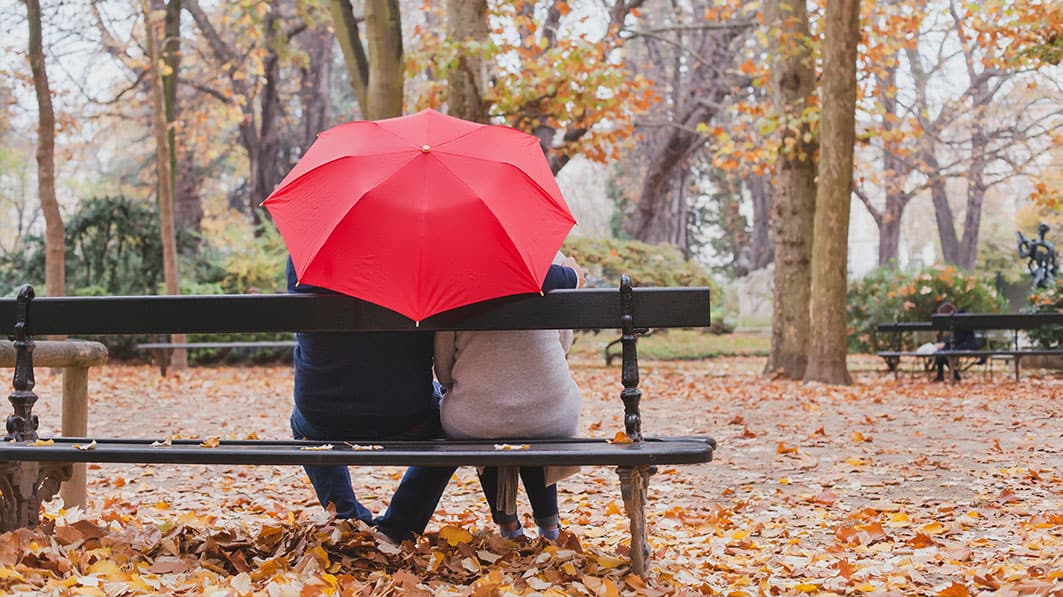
1048 300
885 295
605 259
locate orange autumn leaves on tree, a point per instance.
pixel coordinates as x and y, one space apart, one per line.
566 78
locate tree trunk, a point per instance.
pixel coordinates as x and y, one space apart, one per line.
346 26
383 30
314 88
164 178
466 85
976 187
54 252
827 333
889 232
793 84
762 251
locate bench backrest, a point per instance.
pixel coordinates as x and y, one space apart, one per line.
560 309
995 321
627 309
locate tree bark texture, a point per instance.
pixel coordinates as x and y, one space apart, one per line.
466 85
827 333
164 178
314 84
793 84
383 30
54 252
346 26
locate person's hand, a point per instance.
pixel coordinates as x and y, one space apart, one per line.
570 262
940 345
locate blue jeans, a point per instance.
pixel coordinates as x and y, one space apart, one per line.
412 504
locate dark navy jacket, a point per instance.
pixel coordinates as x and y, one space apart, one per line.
371 384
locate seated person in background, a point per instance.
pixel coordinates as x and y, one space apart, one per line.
511 384
963 340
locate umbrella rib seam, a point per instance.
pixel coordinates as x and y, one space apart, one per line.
512 245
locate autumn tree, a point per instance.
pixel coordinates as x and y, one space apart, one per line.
793 87
252 47
571 89
984 126
827 331
54 267
693 54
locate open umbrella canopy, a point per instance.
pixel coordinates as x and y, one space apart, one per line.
422 213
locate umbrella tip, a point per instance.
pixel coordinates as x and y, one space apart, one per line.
417 324
541 293
426 148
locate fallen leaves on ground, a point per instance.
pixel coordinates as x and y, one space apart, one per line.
956 494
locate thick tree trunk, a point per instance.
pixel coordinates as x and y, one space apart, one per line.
346 26
793 84
466 85
164 178
54 246
827 334
383 30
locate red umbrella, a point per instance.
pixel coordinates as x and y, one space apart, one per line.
421 213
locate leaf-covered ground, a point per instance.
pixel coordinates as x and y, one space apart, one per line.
886 487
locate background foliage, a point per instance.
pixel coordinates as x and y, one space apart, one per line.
1048 300
888 294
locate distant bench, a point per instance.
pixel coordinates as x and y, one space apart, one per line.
30 469
978 323
162 352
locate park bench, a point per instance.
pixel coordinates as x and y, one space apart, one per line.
30 470
982 323
162 352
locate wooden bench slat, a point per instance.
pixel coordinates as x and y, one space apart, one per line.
572 451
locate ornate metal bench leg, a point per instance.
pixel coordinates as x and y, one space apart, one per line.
634 484
25 485
507 489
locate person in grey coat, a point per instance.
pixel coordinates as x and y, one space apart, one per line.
511 385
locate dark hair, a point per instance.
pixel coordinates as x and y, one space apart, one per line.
947 307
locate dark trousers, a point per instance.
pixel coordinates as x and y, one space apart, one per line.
543 497
411 506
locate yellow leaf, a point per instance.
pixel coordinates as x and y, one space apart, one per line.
620 438
806 587
934 528
609 561
512 447
865 588
437 559
44 442
454 535
89 446
105 568
321 447
211 442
